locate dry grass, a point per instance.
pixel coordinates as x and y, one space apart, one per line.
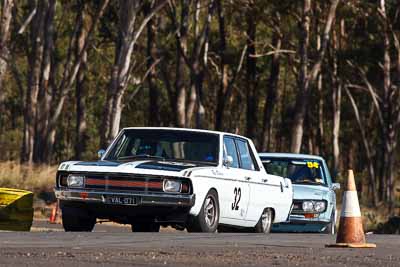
373 217
32 178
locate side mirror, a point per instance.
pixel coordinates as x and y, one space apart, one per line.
228 161
100 153
335 186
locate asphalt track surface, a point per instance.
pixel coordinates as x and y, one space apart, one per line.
111 245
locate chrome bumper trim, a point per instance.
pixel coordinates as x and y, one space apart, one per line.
301 220
142 198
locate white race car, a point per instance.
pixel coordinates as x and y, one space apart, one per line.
194 179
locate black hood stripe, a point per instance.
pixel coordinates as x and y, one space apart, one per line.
100 163
166 166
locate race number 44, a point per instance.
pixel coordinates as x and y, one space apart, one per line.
312 165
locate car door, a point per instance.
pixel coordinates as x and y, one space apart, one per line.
266 190
236 200
248 177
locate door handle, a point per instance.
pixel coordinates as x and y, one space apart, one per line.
265 180
247 178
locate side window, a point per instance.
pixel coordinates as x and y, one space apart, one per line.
246 157
230 150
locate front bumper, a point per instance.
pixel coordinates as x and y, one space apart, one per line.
298 223
143 199
300 219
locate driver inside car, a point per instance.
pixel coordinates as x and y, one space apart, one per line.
305 174
149 147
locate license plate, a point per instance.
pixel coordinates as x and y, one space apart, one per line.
118 200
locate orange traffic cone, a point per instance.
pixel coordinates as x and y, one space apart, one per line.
351 232
53 215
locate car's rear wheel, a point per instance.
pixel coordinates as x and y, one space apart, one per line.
145 227
208 218
330 229
264 224
77 220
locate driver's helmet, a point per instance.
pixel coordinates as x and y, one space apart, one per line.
149 147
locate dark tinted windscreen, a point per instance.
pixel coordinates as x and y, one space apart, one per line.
166 144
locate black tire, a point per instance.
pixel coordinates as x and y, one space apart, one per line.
264 224
145 227
77 220
208 218
331 227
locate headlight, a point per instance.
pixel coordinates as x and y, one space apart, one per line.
74 180
172 186
308 206
314 206
319 206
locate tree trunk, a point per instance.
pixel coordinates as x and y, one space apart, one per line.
6 16
223 82
388 115
194 69
42 151
120 73
152 55
302 96
272 94
336 103
226 82
200 56
319 140
181 44
368 154
81 138
251 75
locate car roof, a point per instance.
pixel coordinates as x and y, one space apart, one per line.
290 155
184 129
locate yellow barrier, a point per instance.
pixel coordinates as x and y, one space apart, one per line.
16 212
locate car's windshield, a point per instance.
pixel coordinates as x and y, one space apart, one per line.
176 145
300 171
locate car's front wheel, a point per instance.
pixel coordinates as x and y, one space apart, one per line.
208 218
264 224
77 220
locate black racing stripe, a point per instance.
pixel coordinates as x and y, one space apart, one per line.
100 163
166 166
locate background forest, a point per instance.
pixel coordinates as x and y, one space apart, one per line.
319 77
